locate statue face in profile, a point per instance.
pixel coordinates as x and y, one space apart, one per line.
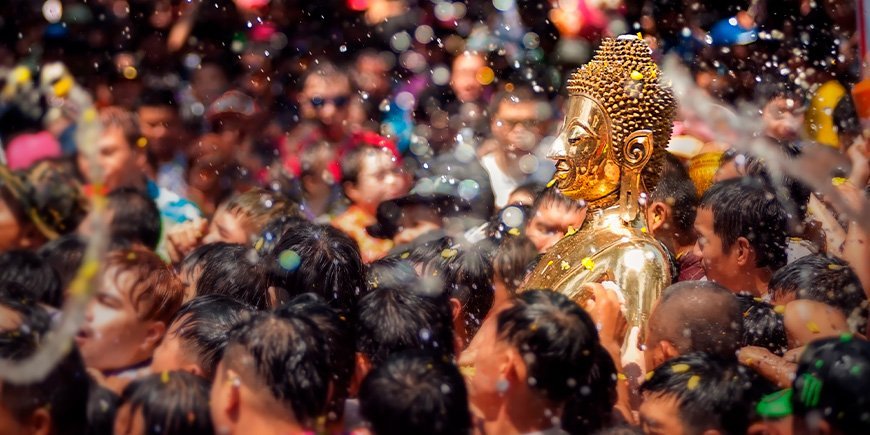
585 166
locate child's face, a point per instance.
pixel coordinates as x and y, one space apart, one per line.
782 118
660 415
415 221
128 421
227 226
550 223
169 355
380 179
113 336
720 266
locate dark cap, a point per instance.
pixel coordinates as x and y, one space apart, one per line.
49 196
439 193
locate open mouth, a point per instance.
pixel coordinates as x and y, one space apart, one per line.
82 335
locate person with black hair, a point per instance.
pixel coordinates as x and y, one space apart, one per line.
102 408
762 325
197 335
415 393
742 232
133 219
541 355
227 269
829 395
160 124
824 279
338 333
670 214
553 215
401 312
64 254
165 403
273 378
513 259
34 274
693 316
55 404
467 275
696 393
318 259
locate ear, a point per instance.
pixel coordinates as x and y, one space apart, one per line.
664 351
141 157
195 370
277 296
153 335
745 253
234 399
514 368
361 369
39 422
455 308
658 213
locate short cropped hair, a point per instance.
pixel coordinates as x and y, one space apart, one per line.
398 315
415 393
203 326
135 218
826 279
517 94
229 269
64 254
552 194
124 120
174 402
762 325
745 207
34 274
710 393
675 188
156 291
284 357
258 207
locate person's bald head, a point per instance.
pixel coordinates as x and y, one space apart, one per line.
693 316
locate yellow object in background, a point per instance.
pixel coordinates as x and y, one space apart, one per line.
819 121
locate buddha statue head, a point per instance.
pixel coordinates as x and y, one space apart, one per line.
618 120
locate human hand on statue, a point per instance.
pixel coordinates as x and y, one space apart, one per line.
605 309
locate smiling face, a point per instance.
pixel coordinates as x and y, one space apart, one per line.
584 165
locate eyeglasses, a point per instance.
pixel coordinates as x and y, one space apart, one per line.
527 123
338 102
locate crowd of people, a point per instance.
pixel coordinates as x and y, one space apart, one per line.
320 217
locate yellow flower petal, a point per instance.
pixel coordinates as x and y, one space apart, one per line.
693 382
588 263
164 377
779 309
636 75
448 253
551 183
405 255
570 231
467 371
514 231
813 327
648 375
680 368
565 265
838 181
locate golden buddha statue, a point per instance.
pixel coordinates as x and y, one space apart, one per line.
618 121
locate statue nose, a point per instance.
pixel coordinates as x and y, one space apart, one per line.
559 148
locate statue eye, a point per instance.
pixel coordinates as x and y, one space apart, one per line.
577 133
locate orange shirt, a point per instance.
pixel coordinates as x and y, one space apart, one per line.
353 222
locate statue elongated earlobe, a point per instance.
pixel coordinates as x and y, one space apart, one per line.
636 152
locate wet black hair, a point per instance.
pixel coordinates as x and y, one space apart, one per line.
64 254
135 218
102 407
318 259
831 384
203 325
157 97
826 279
287 357
63 391
415 393
399 313
566 358
170 402
675 189
34 274
753 166
552 194
745 207
762 325
339 340
467 275
513 260
228 269
711 394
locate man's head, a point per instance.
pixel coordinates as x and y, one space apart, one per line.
415 393
830 387
464 76
174 402
231 270
134 219
159 122
399 314
120 152
742 231
824 279
782 110
32 273
318 259
274 368
553 215
762 325
197 336
518 120
326 97
53 405
672 205
241 218
698 394
371 175
127 318
693 316
542 351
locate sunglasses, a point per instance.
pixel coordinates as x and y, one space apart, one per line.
339 101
